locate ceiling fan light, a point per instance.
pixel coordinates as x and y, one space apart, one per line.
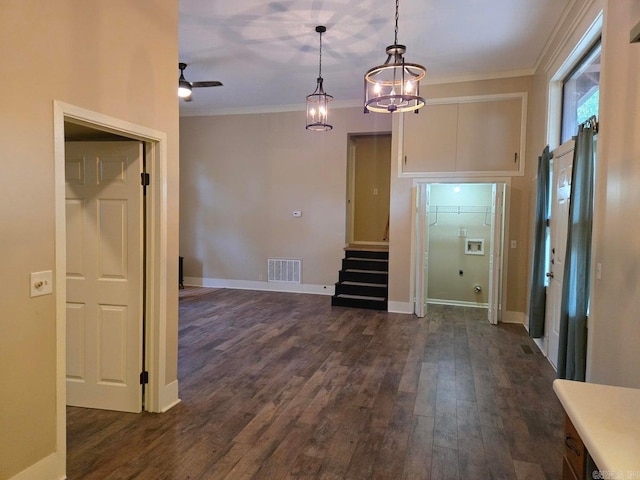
184 88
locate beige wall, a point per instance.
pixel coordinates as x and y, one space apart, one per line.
242 176
614 356
117 58
518 207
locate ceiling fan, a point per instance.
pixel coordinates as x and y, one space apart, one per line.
184 86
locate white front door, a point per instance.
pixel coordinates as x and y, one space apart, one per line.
558 225
104 275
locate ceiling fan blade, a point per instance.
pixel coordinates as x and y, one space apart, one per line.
214 83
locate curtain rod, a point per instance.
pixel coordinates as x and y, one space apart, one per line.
591 123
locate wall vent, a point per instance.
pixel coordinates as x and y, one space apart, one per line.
284 270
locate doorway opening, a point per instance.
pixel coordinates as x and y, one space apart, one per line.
459 243
368 190
158 396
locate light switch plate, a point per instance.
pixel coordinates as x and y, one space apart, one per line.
41 283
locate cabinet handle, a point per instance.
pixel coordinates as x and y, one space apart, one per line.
405 157
515 157
573 448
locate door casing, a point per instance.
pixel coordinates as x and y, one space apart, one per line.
159 397
420 243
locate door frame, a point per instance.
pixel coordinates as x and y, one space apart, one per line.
501 269
157 396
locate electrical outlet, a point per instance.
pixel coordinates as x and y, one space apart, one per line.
41 283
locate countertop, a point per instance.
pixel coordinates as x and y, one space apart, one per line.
608 421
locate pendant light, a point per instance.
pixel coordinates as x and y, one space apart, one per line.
318 101
395 85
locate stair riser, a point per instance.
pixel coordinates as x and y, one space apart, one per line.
366 254
359 303
364 277
364 265
364 290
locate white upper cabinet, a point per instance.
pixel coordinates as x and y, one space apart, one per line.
483 135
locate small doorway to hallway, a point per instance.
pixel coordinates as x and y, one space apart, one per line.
368 190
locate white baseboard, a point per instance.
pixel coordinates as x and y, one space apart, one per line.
168 396
51 467
260 285
400 307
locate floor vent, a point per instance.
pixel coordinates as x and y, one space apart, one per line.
284 270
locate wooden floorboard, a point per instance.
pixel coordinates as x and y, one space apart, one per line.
284 386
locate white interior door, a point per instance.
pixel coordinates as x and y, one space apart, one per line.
558 225
495 254
422 248
104 275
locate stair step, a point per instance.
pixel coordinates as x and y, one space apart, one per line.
364 284
364 276
385 260
363 280
381 254
365 289
363 297
361 270
376 264
356 301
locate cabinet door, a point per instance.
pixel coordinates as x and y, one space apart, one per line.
430 139
489 136
575 452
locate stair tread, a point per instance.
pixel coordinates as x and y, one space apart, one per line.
365 271
365 259
360 297
364 284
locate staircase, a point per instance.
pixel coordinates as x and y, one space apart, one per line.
363 280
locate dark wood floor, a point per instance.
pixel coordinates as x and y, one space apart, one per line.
283 386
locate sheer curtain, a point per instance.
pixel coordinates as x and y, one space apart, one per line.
539 263
572 351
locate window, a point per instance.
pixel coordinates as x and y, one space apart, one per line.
581 93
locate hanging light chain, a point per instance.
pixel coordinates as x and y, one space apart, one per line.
320 66
396 29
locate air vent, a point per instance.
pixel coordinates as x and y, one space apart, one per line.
286 270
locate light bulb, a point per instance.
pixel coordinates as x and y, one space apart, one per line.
323 112
409 87
377 88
